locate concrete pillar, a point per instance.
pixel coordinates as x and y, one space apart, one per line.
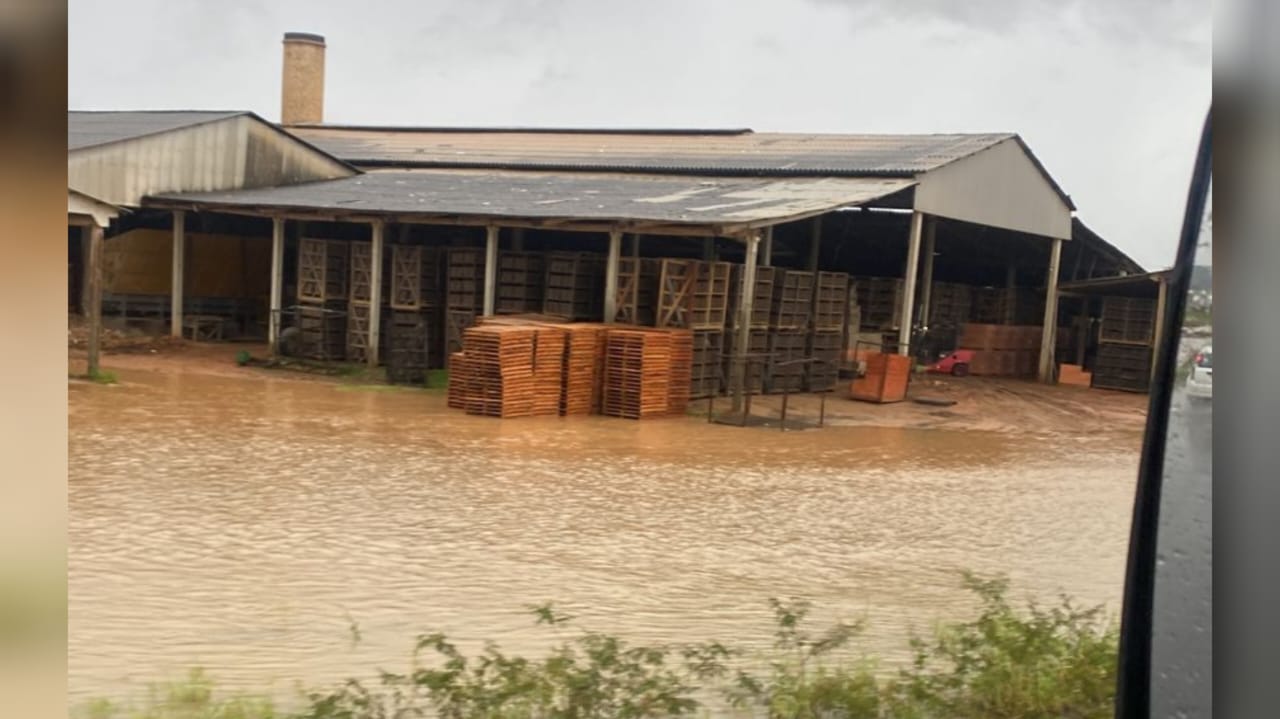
1162 291
815 242
611 277
1049 331
766 247
277 284
179 260
375 291
93 310
490 269
926 292
909 283
742 338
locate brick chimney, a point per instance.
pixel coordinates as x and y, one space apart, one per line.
302 80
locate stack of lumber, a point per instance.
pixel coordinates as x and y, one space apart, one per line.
499 370
637 374
583 369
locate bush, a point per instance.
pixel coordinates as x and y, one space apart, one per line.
1057 662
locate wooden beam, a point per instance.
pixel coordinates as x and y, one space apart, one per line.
742 339
1049 330
611 277
909 283
179 258
277 284
490 269
93 313
375 292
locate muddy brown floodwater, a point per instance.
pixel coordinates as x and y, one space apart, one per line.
242 523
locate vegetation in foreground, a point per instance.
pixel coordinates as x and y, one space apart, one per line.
1005 663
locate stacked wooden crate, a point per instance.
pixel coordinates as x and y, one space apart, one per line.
789 325
415 328
762 302
950 304
574 287
464 293
1125 338
1001 350
827 330
676 281
709 309
496 375
637 290
322 298
707 366
880 302
521 276
359 305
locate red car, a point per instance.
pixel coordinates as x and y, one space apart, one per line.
956 364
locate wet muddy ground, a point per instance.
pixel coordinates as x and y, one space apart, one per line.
241 519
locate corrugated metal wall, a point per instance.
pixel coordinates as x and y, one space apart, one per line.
236 153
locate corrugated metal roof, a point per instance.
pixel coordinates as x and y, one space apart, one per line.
541 195
689 152
101 127
1084 234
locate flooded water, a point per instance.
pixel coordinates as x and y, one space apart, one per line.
243 525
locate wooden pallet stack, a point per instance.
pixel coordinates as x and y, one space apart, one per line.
574 288
756 368
499 376
827 330
709 306
680 374
416 326
676 281
950 304
707 372
581 390
879 302
464 294
521 276
781 375
637 290
1001 350
762 303
637 374
360 294
322 298
1125 336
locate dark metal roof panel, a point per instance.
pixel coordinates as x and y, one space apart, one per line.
93 128
712 152
572 196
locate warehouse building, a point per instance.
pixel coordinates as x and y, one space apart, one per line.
229 223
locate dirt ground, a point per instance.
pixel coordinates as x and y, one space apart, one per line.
981 403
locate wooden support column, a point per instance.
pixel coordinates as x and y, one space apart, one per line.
611 277
179 257
742 339
926 292
909 283
490 269
815 242
84 270
1049 331
375 291
93 308
766 247
277 284
1157 336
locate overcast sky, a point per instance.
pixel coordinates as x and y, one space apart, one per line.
1110 94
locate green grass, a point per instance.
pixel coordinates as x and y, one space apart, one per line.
1198 318
437 379
1006 662
100 376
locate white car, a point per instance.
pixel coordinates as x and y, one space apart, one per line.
1200 380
